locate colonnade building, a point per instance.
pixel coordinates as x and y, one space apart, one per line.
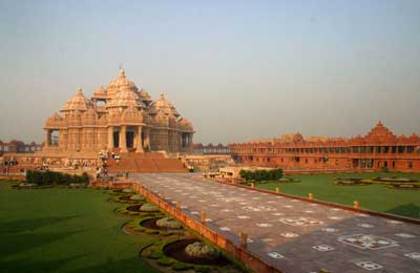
378 149
119 117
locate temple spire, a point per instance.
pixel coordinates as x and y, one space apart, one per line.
122 72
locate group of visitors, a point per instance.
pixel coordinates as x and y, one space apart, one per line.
102 169
6 164
116 157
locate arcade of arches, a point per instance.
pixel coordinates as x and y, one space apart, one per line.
379 149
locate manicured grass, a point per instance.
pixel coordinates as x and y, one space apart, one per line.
65 230
374 197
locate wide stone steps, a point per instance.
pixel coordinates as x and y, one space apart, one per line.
146 163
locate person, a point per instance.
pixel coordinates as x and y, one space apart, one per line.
98 172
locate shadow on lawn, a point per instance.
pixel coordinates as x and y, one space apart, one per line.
130 265
19 236
27 265
31 224
12 244
409 210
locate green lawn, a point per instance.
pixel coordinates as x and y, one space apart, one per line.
64 230
374 197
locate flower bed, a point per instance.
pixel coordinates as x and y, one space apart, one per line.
149 208
168 223
197 253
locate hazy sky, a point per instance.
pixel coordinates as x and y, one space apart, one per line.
237 69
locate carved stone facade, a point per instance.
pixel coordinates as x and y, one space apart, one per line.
379 149
120 118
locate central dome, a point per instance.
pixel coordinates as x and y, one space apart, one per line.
125 98
120 83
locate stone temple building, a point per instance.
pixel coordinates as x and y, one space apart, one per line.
377 150
119 117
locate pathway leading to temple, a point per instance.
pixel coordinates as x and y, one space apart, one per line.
292 235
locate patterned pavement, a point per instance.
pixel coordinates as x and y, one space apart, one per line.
292 235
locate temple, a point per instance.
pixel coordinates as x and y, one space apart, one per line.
119 117
379 149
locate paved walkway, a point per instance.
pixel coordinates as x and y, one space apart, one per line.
293 235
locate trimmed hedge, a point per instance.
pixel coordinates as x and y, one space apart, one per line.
261 175
42 178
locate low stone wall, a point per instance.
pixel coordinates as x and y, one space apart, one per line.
111 184
12 177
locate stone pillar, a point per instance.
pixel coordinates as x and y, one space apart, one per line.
69 139
147 139
139 144
189 142
83 138
123 139
63 138
47 138
110 138
183 143
78 137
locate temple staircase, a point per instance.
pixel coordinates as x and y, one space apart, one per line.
145 163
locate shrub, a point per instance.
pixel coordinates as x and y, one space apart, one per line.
149 208
43 178
261 175
167 222
136 197
201 250
385 169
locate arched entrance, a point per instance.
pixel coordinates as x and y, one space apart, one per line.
116 138
130 137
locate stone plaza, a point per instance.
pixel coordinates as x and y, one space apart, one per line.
290 234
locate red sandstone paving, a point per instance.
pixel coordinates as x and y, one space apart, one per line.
293 235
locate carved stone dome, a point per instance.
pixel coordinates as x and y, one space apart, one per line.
125 98
161 119
54 121
185 124
100 92
120 83
77 103
163 105
144 95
